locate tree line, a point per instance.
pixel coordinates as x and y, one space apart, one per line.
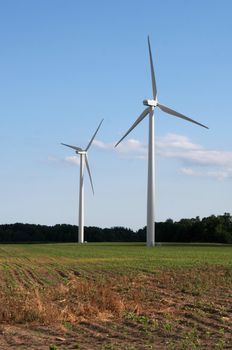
212 229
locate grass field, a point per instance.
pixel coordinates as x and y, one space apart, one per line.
115 296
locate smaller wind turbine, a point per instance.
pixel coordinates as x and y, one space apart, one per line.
151 104
83 161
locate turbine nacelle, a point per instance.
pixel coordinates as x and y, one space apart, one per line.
81 152
150 103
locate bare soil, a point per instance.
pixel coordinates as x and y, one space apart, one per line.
170 309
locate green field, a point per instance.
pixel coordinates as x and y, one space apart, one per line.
113 296
120 255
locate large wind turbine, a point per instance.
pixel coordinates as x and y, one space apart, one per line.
83 161
149 110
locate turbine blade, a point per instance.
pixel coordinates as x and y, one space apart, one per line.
88 169
140 118
179 115
73 147
152 71
90 142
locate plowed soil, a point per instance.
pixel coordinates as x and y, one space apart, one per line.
187 308
115 296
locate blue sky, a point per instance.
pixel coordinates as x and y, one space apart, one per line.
65 65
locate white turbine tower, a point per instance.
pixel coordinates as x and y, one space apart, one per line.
83 162
151 104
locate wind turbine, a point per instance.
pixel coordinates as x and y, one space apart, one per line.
149 110
83 161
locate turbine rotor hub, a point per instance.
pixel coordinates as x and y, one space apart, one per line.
150 103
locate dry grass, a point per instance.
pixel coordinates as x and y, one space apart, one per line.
102 307
183 305
72 302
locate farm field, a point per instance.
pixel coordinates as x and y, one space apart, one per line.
115 296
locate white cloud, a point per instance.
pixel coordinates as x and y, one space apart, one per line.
180 147
72 160
103 145
199 157
176 141
189 171
131 148
172 146
219 175
213 163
